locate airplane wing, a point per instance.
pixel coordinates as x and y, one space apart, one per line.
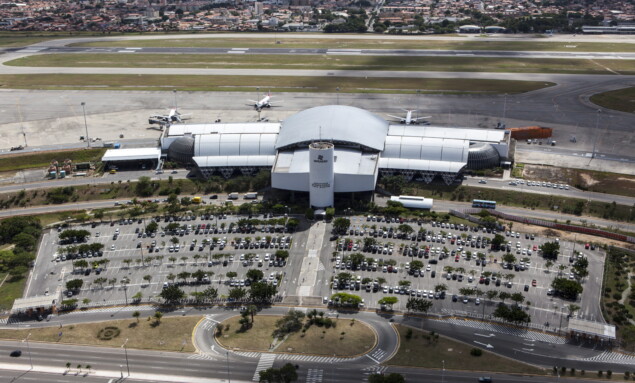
420 118
185 116
395 117
253 101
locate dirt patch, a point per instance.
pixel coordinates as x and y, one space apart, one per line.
588 180
601 182
569 236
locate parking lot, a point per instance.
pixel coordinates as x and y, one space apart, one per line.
197 252
455 257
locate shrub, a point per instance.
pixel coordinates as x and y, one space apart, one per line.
609 373
409 334
476 352
600 373
108 333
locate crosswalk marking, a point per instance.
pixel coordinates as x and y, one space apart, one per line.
534 335
201 357
265 362
314 375
373 370
300 358
612 357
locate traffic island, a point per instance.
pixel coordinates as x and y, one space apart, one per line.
313 335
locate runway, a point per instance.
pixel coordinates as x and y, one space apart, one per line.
350 52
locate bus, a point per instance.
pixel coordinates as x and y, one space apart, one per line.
484 204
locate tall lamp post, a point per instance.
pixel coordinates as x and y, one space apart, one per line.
125 350
29 349
86 124
176 105
227 359
443 371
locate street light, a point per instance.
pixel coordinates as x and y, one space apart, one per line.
85 124
227 359
176 106
29 349
125 350
443 371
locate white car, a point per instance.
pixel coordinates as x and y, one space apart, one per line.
112 247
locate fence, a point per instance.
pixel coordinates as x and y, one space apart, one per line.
539 222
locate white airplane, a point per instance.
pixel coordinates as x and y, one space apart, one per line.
265 102
172 117
409 120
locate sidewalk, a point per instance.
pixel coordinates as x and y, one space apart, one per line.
115 376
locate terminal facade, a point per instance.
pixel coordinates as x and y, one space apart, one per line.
334 149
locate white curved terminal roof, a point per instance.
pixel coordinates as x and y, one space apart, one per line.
424 148
420 165
235 145
233 161
488 135
337 123
231 128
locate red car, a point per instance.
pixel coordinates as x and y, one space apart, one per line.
535 247
456 259
533 283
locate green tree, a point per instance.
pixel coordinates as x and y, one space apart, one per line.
550 250
158 315
237 293
388 301
172 295
262 292
285 374
341 225
418 304
74 284
144 187
346 299
136 315
567 288
382 378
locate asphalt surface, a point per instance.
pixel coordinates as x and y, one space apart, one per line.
351 52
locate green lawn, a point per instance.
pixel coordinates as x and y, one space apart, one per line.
442 43
17 160
274 83
10 290
621 99
421 350
328 62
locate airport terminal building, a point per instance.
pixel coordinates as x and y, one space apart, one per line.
333 149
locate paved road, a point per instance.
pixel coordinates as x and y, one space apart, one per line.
349 52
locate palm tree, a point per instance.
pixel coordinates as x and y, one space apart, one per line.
68 365
136 315
548 265
158 315
573 308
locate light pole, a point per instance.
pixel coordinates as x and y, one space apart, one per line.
125 350
443 371
338 94
29 349
85 124
176 106
597 131
229 380
121 370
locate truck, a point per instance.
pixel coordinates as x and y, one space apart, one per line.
250 195
196 199
233 195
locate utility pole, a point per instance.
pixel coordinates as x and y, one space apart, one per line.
125 350
85 125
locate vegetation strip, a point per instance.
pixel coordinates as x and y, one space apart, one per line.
620 99
150 333
327 62
316 84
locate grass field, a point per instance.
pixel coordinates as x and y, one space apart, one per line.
274 83
442 43
328 62
343 340
10 290
17 161
171 334
621 99
420 351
